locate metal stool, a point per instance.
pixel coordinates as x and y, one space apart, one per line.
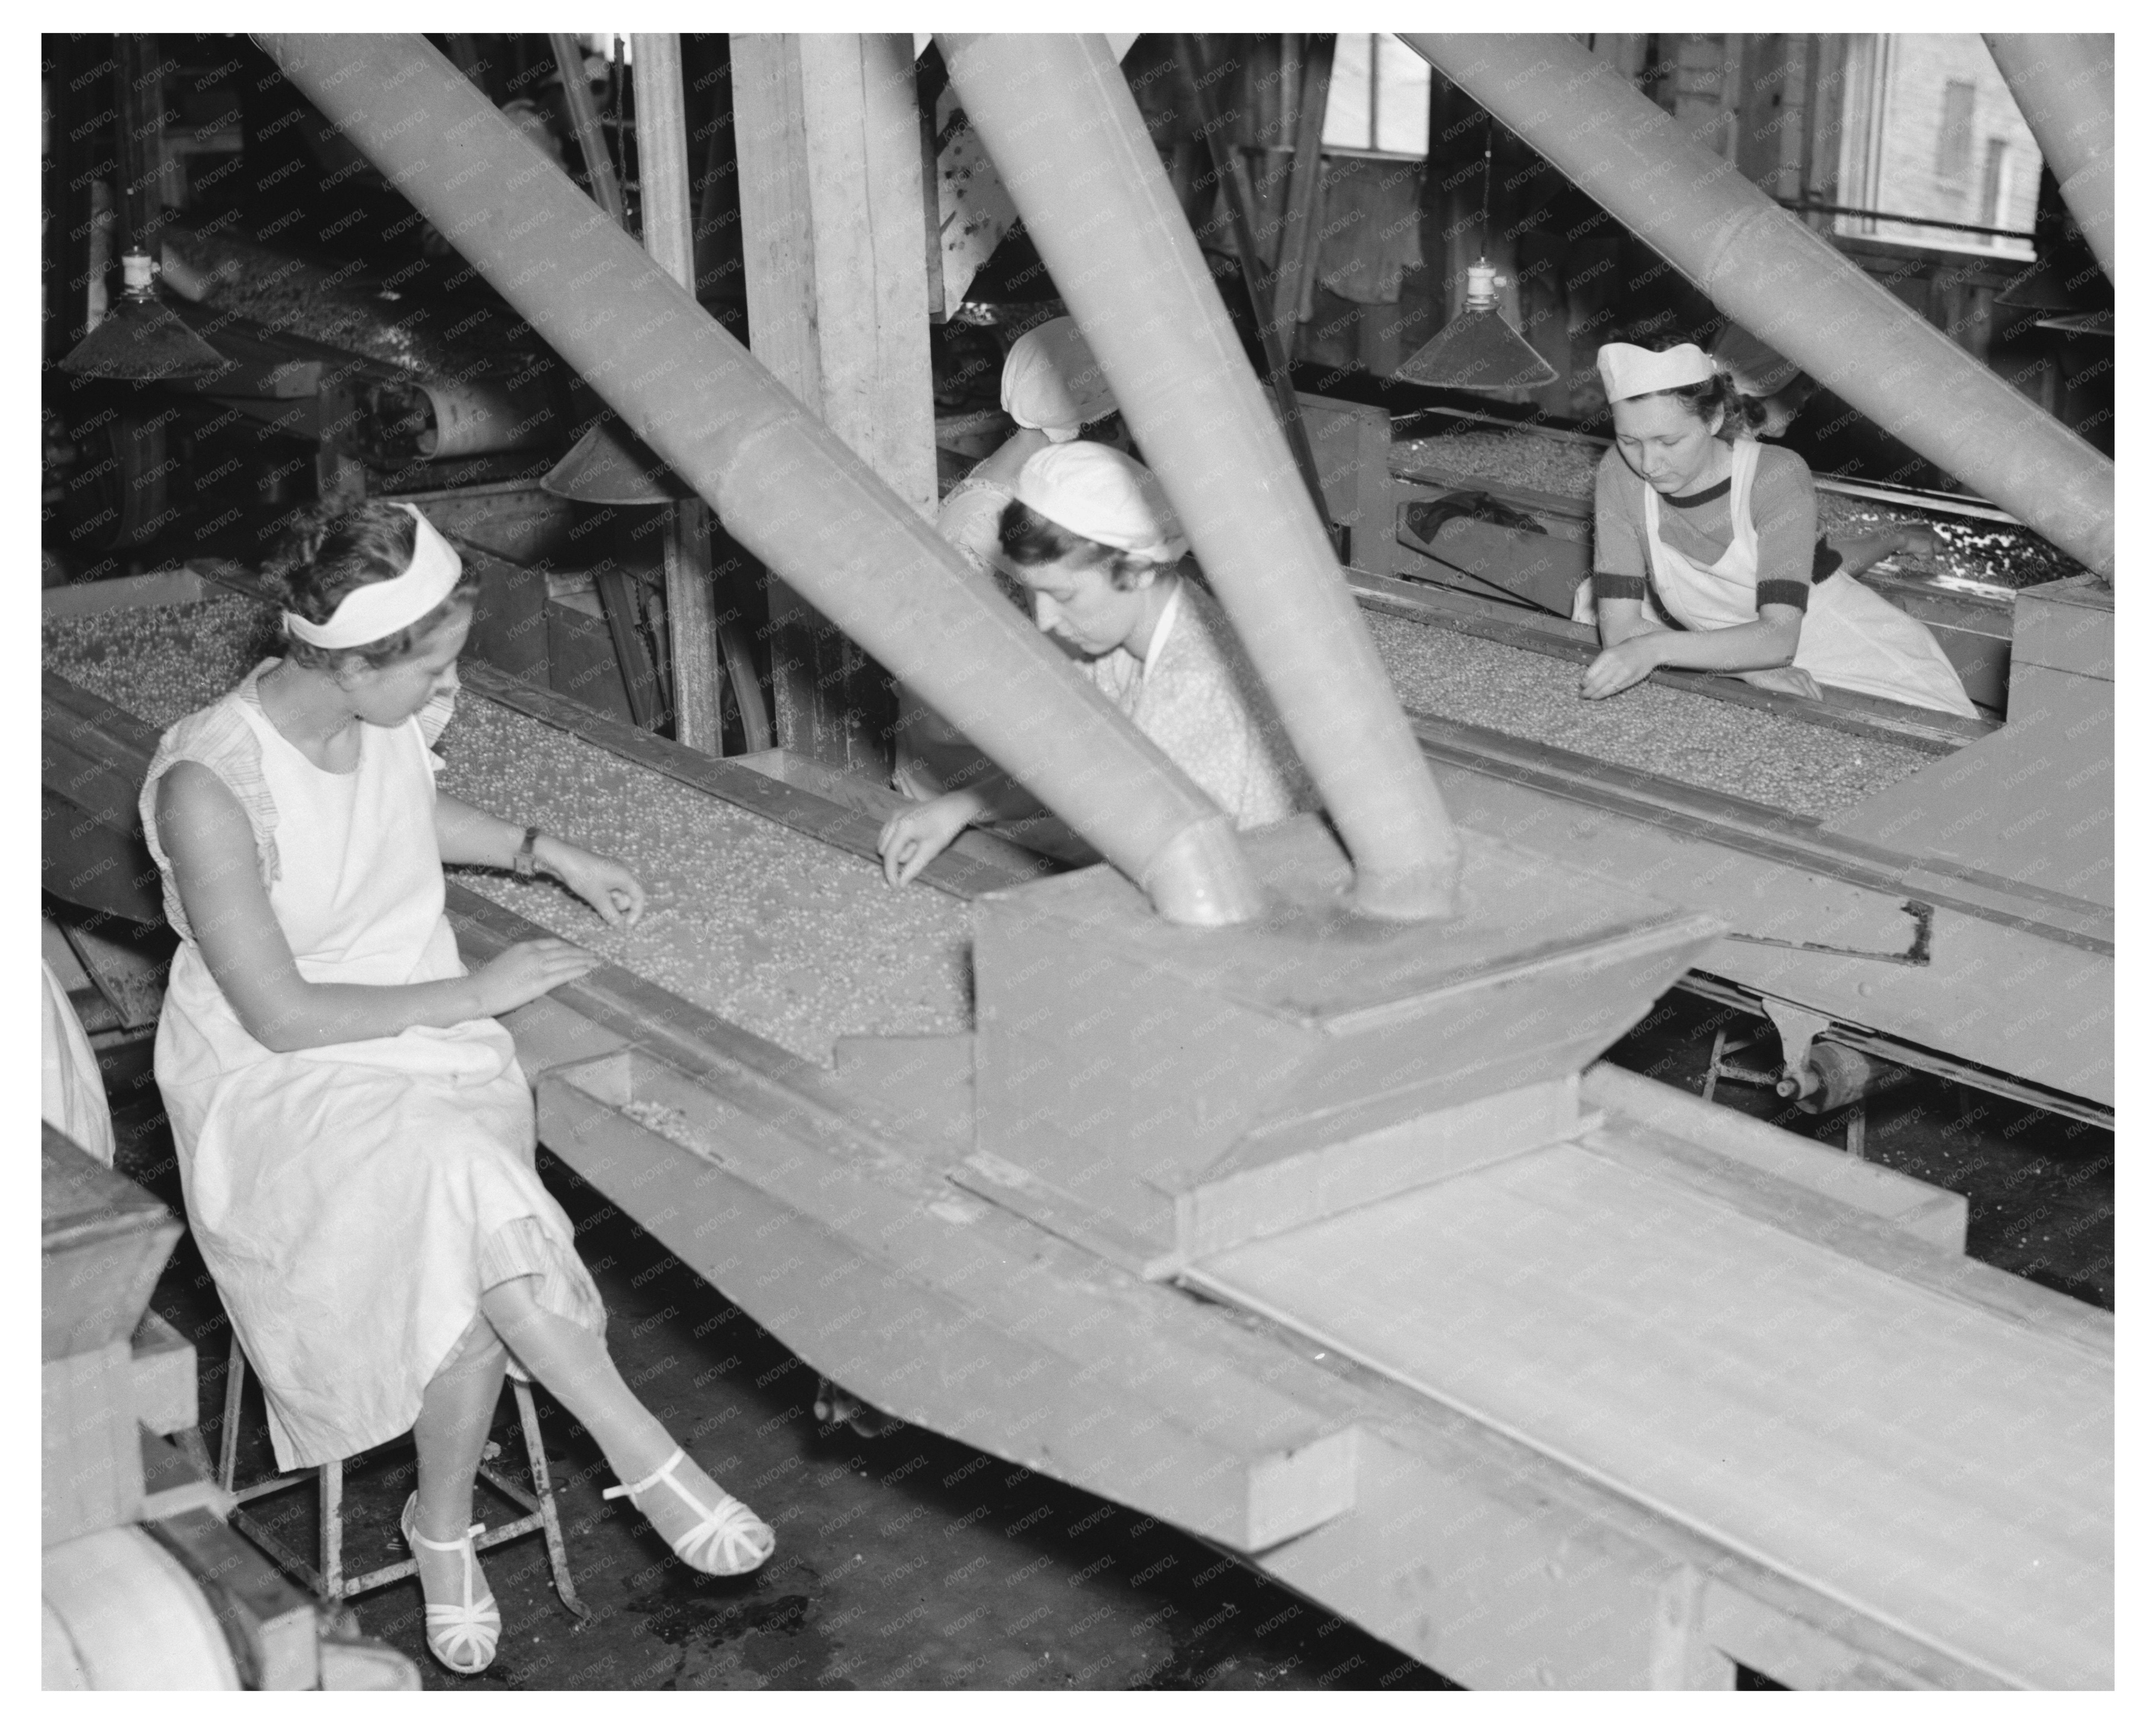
329 1583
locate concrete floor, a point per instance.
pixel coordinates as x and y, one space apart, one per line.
912 1562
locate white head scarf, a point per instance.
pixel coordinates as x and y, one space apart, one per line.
380 608
1627 371
1102 494
1053 383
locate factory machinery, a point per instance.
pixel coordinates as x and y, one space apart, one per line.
1879 867
1268 1186
144 1585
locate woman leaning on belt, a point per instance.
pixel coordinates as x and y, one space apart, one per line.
1705 556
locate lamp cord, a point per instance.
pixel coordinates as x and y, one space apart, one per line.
1489 142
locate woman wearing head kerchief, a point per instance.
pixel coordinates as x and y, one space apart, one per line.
1717 531
355 1135
1095 543
1055 391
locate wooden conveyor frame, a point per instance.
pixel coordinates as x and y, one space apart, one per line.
1783 881
834 1226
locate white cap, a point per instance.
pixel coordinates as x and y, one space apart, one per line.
1102 494
1756 368
1627 371
380 608
1053 383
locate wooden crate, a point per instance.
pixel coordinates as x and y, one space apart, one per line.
105 1240
2066 625
91 1476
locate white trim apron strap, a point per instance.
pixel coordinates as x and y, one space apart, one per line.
1723 594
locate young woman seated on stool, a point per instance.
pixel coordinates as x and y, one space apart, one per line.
1095 543
355 1137
1718 530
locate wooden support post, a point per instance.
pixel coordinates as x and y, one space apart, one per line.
584 116
1235 181
662 149
465 53
1298 247
831 202
340 472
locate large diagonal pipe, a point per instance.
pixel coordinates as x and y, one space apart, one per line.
2065 86
1786 284
1057 115
785 486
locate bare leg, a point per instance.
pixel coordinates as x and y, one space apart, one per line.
451 1435
580 1374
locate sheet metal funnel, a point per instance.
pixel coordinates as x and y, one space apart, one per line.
1477 349
142 339
610 463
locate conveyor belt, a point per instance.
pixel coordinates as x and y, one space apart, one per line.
835 1229
775 928
1983 550
1584 1301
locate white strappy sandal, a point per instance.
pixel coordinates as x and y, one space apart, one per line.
730 1539
453 1630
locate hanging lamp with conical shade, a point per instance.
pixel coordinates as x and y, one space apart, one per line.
142 338
1477 349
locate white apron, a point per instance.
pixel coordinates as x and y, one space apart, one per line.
1851 638
352 1202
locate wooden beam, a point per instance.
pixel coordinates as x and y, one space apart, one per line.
584 116
1229 165
838 306
1298 247
662 150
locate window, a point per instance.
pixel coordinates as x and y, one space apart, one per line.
1998 184
1379 99
1951 163
1930 145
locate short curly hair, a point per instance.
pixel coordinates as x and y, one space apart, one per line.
1030 539
329 554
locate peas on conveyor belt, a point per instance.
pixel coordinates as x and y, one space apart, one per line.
785 936
1806 768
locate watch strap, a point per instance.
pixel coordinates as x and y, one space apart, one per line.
525 861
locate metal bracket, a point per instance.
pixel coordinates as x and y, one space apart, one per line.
1917 956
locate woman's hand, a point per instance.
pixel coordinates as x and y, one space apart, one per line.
600 881
529 969
1918 542
1615 669
913 838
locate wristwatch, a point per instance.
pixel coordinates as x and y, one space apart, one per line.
525 861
